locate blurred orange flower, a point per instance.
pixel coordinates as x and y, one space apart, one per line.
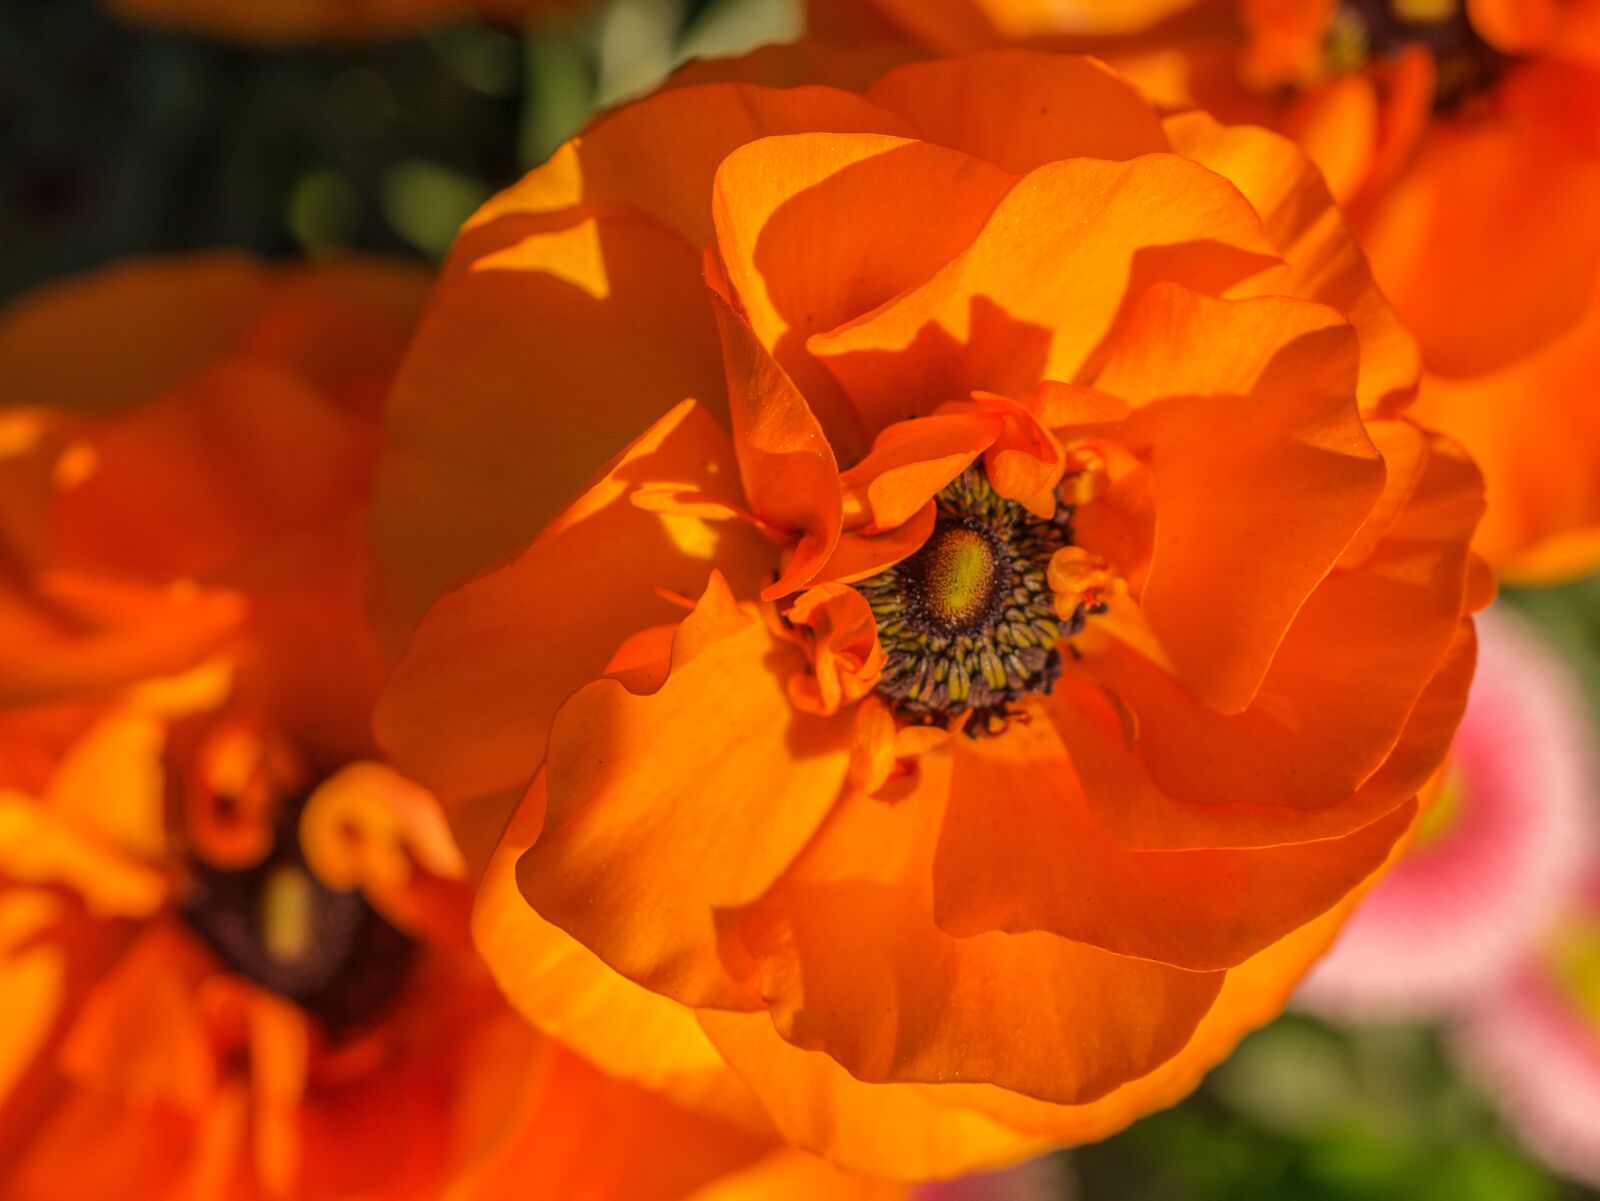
288 21
233 943
1462 134
1083 613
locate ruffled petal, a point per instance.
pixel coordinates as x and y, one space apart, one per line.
502 411
921 1131
1534 430
65 634
468 708
1479 284
153 324
808 243
1060 262
1322 261
1359 654
852 963
1137 815
1247 407
668 809
564 990
790 476
656 158
1020 851
1020 109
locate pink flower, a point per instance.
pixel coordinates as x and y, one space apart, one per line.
1497 857
1534 1047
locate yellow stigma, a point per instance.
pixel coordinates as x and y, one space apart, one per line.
960 575
288 906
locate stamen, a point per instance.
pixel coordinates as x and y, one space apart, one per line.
281 927
1363 30
969 623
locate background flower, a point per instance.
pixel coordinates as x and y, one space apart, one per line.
234 946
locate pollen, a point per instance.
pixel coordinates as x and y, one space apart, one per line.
969 624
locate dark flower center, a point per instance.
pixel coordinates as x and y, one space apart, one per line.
281 927
1363 30
968 623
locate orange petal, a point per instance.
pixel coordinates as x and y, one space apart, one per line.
1515 26
1020 851
41 848
1062 257
808 243
851 963
894 1131
1020 109
563 989
141 1032
369 827
1337 127
1480 285
790 478
666 809
912 460
1135 814
468 707
1322 261
582 1135
190 483
656 158
1246 407
1534 430
859 556
153 323
1405 451
922 1131
1360 652
503 413
840 634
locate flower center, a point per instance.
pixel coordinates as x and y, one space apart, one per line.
968 623
281 927
1363 30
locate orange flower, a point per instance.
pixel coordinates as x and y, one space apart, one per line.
234 944
288 21
1095 419
1462 134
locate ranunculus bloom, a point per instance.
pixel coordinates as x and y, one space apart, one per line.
960 581
1498 855
283 21
1463 137
234 946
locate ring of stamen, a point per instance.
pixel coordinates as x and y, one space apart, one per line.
282 928
1362 30
968 623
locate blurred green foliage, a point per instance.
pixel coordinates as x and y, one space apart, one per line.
115 142
1305 1112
